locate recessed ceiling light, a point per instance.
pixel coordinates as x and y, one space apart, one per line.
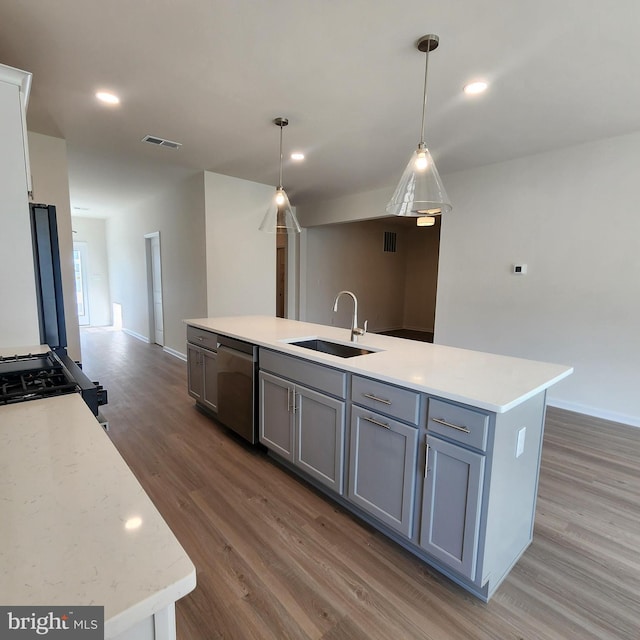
296 155
109 98
474 88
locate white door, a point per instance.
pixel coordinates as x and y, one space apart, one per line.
156 289
80 271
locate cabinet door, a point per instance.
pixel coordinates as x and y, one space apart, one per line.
195 379
210 386
319 437
451 505
276 417
382 461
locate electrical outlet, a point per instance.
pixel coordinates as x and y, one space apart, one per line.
520 443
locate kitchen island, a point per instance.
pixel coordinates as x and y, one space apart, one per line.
437 447
78 529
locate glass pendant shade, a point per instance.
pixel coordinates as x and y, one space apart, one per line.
279 217
420 191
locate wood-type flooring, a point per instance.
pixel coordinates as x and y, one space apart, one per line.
277 560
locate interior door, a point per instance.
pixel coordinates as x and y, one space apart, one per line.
156 278
80 274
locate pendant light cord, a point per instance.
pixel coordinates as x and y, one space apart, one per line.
280 179
424 99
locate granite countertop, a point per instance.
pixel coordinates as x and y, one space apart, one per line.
70 506
488 381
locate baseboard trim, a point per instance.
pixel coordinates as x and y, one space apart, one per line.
175 354
594 412
138 336
421 329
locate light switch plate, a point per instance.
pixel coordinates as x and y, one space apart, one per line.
520 444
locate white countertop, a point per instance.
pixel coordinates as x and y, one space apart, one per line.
66 496
489 381
7 352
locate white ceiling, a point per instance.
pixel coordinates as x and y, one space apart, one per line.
212 74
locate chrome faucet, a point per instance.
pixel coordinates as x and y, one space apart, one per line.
356 331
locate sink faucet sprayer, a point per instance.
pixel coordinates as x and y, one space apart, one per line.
355 329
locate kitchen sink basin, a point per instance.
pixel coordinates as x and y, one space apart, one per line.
333 348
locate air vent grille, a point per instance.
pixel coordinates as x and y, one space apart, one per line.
390 242
161 142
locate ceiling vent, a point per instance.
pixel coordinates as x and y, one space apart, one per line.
161 142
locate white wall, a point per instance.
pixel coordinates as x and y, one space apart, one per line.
178 214
572 216
50 176
93 232
421 274
366 205
350 256
19 316
241 259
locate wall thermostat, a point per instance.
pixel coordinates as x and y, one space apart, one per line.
520 269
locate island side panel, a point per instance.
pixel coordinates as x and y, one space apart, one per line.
513 489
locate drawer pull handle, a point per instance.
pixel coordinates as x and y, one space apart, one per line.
452 426
376 422
372 397
201 338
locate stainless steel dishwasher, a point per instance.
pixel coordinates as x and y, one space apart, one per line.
237 361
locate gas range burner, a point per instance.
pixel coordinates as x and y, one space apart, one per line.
32 376
18 386
25 363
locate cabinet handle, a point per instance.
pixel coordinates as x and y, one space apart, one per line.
377 422
201 338
289 399
372 397
452 426
426 459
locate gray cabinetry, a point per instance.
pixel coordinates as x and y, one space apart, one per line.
276 415
195 372
381 397
453 484
451 502
302 425
382 462
202 367
319 437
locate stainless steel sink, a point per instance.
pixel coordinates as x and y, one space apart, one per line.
333 348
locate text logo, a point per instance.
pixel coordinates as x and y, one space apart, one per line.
29 623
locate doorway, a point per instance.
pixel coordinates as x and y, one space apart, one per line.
80 276
281 274
154 287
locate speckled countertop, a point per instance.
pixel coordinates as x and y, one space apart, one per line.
489 381
69 508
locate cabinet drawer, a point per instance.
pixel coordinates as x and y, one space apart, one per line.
306 373
464 425
205 339
386 398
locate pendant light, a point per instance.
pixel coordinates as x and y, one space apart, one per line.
279 217
420 191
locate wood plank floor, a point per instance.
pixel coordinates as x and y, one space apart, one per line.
277 560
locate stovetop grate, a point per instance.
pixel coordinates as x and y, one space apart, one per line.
32 382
